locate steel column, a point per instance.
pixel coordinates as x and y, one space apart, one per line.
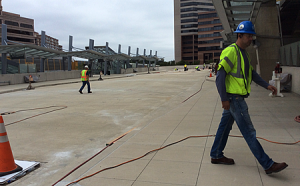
3 55
91 47
43 44
145 56
155 60
127 61
70 50
137 54
105 62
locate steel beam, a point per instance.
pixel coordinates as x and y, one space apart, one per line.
105 62
70 50
3 42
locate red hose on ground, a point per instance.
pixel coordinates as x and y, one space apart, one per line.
108 168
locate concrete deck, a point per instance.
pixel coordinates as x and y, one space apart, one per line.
158 109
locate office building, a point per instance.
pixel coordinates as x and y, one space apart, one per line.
50 42
19 29
197 31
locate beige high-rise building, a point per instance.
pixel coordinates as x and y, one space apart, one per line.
197 31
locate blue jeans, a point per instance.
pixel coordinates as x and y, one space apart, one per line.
239 112
83 85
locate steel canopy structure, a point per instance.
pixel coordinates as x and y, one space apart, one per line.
92 53
232 12
29 51
43 52
86 54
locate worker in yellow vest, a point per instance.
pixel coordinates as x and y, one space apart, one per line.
185 67
85 79
233 80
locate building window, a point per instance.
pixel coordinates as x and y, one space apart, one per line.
216 34
195 4
189 20
210 29
216 21
19 32
189 15
202 16
187 42
187 58
209 48
12 23
211 41
196 9
217 54
189 26
20 39
187 31
26 25
186 48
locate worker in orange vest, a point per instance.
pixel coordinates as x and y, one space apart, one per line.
85 79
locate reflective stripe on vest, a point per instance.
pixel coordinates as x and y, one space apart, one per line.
238 73
83 75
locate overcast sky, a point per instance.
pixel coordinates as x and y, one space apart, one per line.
143 24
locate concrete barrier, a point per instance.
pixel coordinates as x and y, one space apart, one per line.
141 69
43 76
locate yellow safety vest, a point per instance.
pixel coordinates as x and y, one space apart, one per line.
83 75
233 62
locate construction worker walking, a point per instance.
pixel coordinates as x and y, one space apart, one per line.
233 80
85 79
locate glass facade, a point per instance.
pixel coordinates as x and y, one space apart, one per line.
195 4
200 30
196 9
216 21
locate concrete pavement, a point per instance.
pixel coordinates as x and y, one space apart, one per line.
158 109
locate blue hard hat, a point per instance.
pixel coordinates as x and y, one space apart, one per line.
245 27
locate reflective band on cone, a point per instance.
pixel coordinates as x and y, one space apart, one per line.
7 162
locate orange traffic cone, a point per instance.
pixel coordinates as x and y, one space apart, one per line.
7 162
210 75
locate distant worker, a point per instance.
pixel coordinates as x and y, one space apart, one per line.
203 66
100 78
197 68
233 80
85 79
216 68
185 67
176 69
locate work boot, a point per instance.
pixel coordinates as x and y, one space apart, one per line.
224 160
90 92
276 167
80 92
